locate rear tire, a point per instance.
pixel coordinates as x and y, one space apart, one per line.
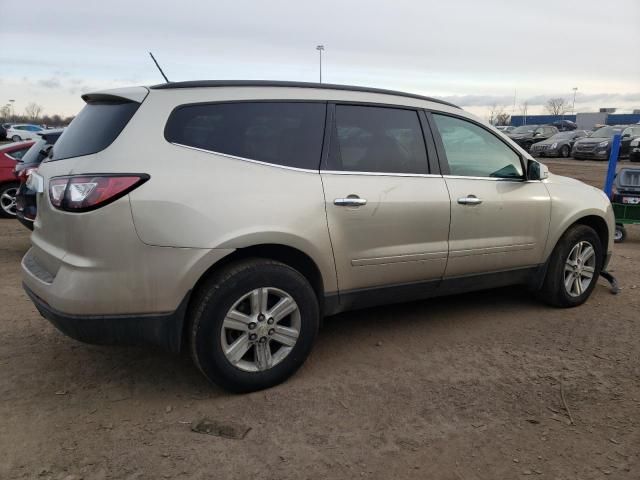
620 234
566 283
229 321
565 152
16 138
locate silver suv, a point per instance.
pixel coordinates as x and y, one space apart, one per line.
230 217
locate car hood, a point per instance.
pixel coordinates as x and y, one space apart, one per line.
561 180
567 182
519 136
548 141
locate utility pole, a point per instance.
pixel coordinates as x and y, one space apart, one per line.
573 106
320 49
13 112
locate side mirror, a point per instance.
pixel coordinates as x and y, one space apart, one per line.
536 171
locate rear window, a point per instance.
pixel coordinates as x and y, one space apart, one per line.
282 133
94 129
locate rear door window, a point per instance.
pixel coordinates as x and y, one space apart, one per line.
282 133
377 139
94 128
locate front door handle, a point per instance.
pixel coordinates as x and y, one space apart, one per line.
350 201
469 200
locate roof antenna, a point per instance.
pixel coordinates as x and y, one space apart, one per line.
157 65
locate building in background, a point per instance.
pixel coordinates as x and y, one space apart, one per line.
584 121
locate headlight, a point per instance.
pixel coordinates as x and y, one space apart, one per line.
635 142
603 144
553 145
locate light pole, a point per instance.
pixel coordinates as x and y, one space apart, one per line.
13 112
573 106
320 49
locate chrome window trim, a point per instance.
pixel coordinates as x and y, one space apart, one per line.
492 179
306 170
259 162
381 174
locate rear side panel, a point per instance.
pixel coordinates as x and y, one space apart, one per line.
200 199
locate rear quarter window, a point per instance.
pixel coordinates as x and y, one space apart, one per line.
282 133
94 128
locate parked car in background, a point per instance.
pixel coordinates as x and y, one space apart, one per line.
628 135
26 208
559 145
527 135
296 200
565 125
634 150
23 131
3 133
596 146
505 128
9 156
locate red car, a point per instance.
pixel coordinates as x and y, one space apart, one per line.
10 154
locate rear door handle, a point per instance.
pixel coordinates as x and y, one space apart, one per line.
350 201
469 200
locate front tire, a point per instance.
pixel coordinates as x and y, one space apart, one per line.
253 324
565 151
573 269
16 138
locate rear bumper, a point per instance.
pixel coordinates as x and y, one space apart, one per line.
162 330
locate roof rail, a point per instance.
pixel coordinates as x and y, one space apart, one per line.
277 83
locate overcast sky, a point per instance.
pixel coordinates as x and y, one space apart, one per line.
472 52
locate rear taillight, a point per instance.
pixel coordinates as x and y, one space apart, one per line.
82 193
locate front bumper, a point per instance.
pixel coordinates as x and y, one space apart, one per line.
161 330
590 155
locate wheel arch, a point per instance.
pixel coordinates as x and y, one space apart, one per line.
599 224
291 256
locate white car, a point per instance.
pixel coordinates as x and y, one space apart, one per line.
23 131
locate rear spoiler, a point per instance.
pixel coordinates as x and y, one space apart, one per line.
118 95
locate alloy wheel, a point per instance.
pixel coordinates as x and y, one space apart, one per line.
8 201
260 330
579 268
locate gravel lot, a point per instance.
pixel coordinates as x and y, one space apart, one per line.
466 387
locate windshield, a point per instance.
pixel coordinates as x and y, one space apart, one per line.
606 132
633 131
524 129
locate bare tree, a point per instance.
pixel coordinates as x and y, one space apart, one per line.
498 115
492 114
5 112
33 111
557 106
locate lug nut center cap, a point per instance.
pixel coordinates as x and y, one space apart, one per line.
263 329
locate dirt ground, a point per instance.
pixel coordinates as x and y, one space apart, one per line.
465 387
